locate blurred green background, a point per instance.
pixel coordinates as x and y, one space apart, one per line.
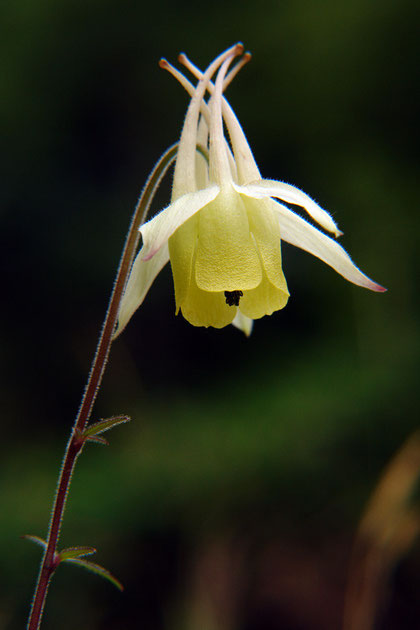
231 500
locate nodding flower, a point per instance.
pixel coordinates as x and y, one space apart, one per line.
223 229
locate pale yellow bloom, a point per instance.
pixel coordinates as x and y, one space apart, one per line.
223 229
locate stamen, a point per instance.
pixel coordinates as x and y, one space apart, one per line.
220 171
232 74
247 168
183 59
188 86
184 176
233 297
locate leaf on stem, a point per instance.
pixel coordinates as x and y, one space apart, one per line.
96 568
36 539
97 440
75 552
104 425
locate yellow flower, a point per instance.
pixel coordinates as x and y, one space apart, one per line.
222 230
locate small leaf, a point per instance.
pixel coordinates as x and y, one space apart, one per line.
96 568
36 539
76 552
104 425
98 440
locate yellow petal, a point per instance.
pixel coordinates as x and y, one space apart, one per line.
181 252
227 259
263 300
206 308
264 226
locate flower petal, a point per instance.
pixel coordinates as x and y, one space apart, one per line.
242 322
182 245
139 282
265 229
290 194
263 300
157 231
227 258
298 232
206 308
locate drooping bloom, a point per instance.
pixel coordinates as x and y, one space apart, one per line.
223 229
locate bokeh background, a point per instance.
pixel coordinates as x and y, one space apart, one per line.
231 500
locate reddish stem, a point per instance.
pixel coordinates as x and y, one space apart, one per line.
76 441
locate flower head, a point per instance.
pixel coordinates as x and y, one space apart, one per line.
223 229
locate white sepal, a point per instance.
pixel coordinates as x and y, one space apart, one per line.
156 232
242 322
298 232
290 194
141 278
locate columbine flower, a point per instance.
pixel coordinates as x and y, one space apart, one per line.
222 230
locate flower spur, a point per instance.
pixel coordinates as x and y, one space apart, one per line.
222 230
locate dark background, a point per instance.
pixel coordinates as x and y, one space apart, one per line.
231 500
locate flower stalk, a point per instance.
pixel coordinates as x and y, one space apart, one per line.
80 433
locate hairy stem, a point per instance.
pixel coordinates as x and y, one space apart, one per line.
76 441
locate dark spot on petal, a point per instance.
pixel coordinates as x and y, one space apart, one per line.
233 297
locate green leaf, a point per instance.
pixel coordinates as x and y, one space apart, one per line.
36 539
98 440
96 568
75 552
104 425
